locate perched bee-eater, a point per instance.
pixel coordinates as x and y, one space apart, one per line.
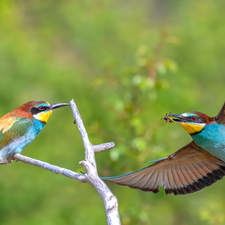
19 127
195 166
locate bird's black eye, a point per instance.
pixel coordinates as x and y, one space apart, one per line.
193 118
41 108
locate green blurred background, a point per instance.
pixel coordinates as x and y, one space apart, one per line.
126 64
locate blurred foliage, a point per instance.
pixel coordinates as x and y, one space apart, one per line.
126 64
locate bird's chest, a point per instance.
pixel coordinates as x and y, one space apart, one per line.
18 144
212 139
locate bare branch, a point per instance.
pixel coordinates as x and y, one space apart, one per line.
110 201
103 147
50 167
89 153
91 175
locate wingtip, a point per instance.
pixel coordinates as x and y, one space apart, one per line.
201 183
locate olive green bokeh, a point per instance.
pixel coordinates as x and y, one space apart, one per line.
126 64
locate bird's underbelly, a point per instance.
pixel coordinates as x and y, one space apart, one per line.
18 144
212 139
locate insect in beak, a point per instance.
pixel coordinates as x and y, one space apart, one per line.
168 119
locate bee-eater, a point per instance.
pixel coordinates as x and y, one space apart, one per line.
19 127
195 166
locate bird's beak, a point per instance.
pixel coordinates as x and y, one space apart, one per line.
58 105
177 117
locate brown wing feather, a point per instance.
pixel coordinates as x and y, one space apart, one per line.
186 171
220 118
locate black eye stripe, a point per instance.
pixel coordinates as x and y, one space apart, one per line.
35 110
196 120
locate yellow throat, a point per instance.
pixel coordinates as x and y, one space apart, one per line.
43 116
192 128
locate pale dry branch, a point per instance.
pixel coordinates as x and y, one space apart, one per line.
103 147
110 201
47 166
91 175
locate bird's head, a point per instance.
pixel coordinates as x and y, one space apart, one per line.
192 122
39 110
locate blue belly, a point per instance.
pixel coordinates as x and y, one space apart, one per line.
20 143
212 139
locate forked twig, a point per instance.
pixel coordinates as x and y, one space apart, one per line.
91 175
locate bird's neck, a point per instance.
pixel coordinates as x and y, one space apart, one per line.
38 126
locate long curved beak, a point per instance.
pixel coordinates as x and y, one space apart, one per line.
58 105
177 117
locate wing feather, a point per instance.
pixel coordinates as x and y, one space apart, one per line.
11 129
186 171
144 179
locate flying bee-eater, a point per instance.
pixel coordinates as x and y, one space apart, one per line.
195 166
20 127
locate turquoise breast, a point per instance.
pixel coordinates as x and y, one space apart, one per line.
212 139
20 143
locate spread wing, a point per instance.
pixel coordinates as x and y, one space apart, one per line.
12 128
220 118
186 171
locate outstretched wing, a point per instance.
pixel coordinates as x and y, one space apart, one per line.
186 171
12 128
